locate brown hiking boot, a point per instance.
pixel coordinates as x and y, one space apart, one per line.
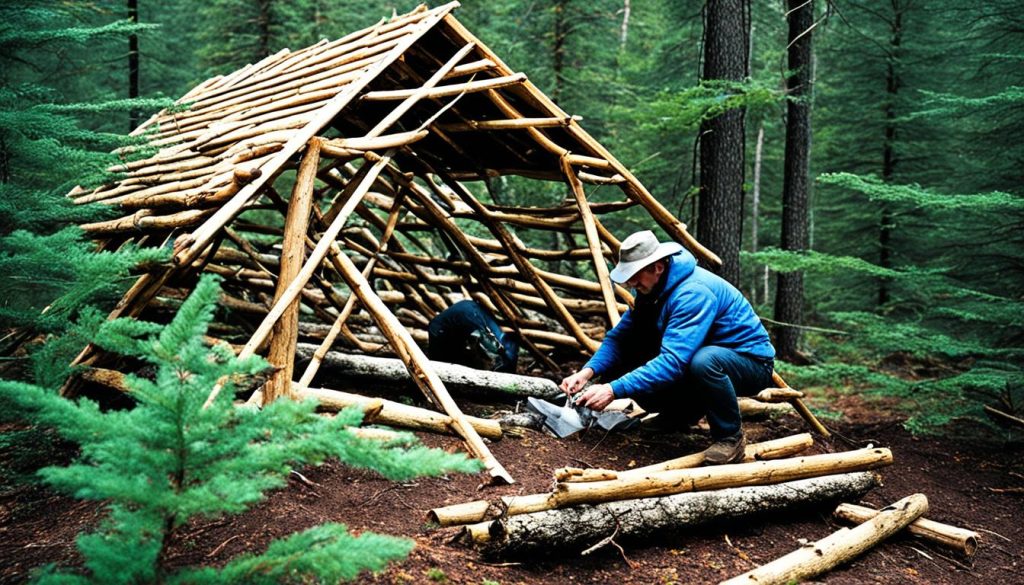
728 450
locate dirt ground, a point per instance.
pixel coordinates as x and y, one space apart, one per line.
962 480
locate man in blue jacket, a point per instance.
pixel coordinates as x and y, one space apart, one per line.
690 346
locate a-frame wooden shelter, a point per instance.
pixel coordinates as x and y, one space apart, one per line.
382 126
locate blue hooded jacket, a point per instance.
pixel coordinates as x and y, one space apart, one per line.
698 308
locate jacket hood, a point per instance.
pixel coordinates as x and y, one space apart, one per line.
681 266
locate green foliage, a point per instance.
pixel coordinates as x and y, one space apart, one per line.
169 459
688 108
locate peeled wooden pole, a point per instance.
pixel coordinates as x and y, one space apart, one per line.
961 539
577 528
417 363
669 482
773 449
386 412
285 332
593 241
837 548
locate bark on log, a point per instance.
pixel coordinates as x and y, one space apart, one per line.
396 414
575 529
961 539
352 371
666 483
837 548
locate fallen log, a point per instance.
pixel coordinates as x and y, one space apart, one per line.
577 528
664 483
396 414
351 371
961 539
837 548
774 449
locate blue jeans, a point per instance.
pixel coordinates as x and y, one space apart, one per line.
713 380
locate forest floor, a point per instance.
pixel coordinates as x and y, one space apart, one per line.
961 479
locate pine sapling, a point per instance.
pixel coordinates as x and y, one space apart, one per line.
168 460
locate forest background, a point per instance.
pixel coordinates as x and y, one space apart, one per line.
913 269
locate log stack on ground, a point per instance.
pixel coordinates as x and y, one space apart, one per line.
664 483
580 527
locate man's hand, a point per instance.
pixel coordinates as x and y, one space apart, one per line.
574 383
597 397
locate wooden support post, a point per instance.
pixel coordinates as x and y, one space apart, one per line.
594 241
837 548
285 332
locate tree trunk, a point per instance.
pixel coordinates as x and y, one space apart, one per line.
837 548
789 296
755 207
561 34
352 372
720 221
263 29
892 89
133 64
581 527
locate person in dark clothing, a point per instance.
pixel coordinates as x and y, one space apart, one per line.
688 347
467 335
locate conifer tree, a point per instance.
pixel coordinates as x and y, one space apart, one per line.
168 460
50 270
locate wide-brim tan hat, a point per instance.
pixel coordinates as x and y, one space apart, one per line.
639 250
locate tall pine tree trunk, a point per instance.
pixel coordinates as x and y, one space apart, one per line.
892 89
263 29
558 48
789 295
720 221
133 64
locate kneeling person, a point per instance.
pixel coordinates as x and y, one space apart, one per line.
690 345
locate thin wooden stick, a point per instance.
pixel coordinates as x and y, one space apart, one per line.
449 90
801 408
593 240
